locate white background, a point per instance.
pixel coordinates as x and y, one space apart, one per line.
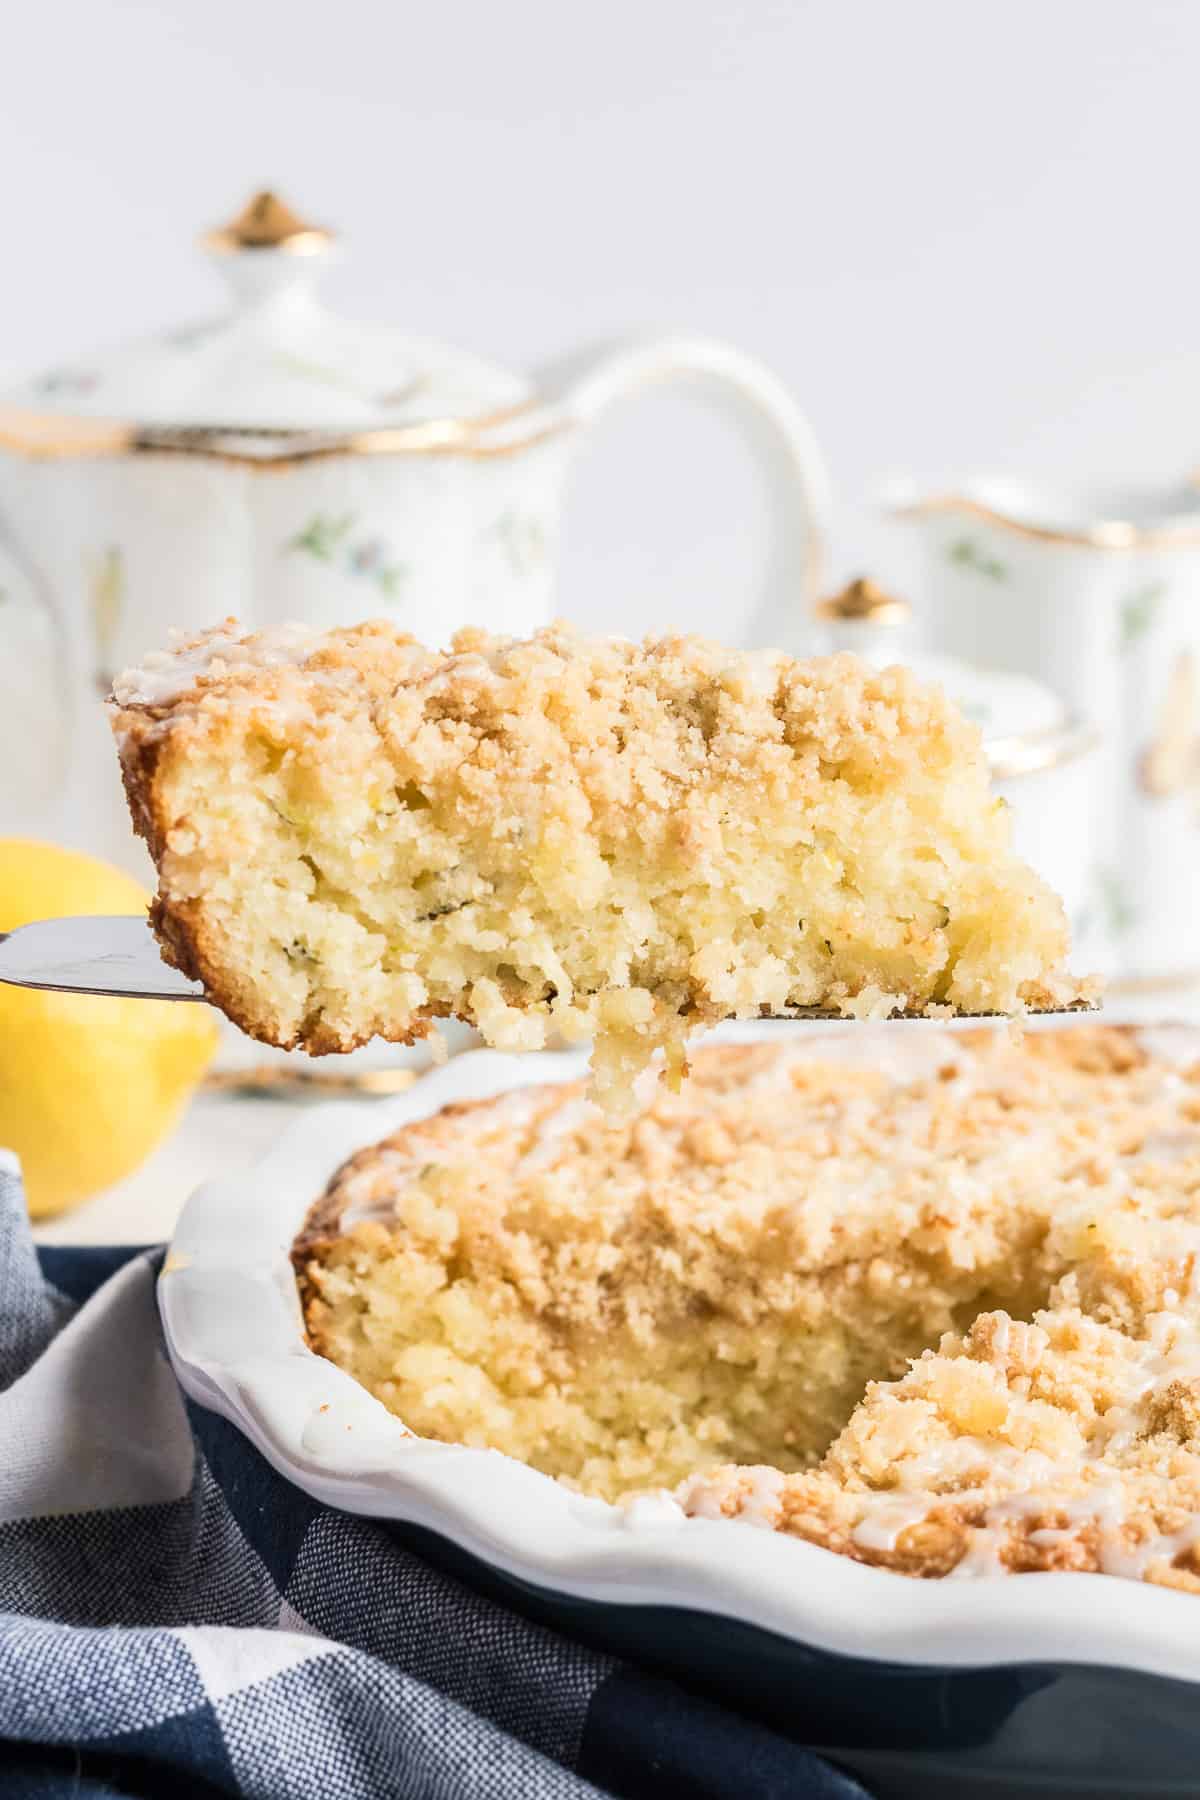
964 234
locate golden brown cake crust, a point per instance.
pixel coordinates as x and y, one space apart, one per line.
355 836
151 723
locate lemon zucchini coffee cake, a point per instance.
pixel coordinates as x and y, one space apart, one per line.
569 837
925 1299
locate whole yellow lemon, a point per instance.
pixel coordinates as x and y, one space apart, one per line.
88 1085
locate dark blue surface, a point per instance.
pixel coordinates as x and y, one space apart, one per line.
910 1733
395 1677
698 1705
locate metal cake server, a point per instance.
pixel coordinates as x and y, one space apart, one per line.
102 955
119 956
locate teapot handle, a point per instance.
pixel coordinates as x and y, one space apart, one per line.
776 431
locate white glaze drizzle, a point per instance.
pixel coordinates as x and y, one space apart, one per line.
759 1497
163 675
762 1499
1170 1352
651 1512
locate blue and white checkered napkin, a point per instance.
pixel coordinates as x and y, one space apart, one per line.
176 1619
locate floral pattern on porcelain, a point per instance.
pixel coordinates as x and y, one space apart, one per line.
1170 763
105 575
65 382
1110 907
522 537
1140 611
310 370
190 337
970 555
329 538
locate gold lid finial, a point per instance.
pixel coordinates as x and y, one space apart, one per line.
267 223
864 601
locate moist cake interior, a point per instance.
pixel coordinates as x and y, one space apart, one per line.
704 1294
581 837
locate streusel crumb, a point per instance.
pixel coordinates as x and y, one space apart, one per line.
928 1304
571 836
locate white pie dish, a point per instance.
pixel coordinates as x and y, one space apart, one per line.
234 1333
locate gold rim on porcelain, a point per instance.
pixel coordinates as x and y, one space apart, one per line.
1107 534
1032 752
60 436
1134 987
271 1081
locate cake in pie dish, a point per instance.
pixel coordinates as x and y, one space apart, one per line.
569 837
926 1299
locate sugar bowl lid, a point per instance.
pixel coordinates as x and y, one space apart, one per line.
1026 727
276 366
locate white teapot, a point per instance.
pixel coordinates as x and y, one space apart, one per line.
279 462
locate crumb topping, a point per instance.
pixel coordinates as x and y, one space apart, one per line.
570 836
931 1307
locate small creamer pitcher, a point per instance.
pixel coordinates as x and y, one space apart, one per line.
1098 596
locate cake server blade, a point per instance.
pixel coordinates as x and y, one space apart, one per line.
101 955
120 956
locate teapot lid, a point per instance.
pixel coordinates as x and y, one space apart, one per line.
277 366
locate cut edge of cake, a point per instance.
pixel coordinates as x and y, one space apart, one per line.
607 839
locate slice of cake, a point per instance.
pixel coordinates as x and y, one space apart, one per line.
707 1292
572 836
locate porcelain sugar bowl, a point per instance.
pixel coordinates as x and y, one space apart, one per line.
279 462
1043 754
